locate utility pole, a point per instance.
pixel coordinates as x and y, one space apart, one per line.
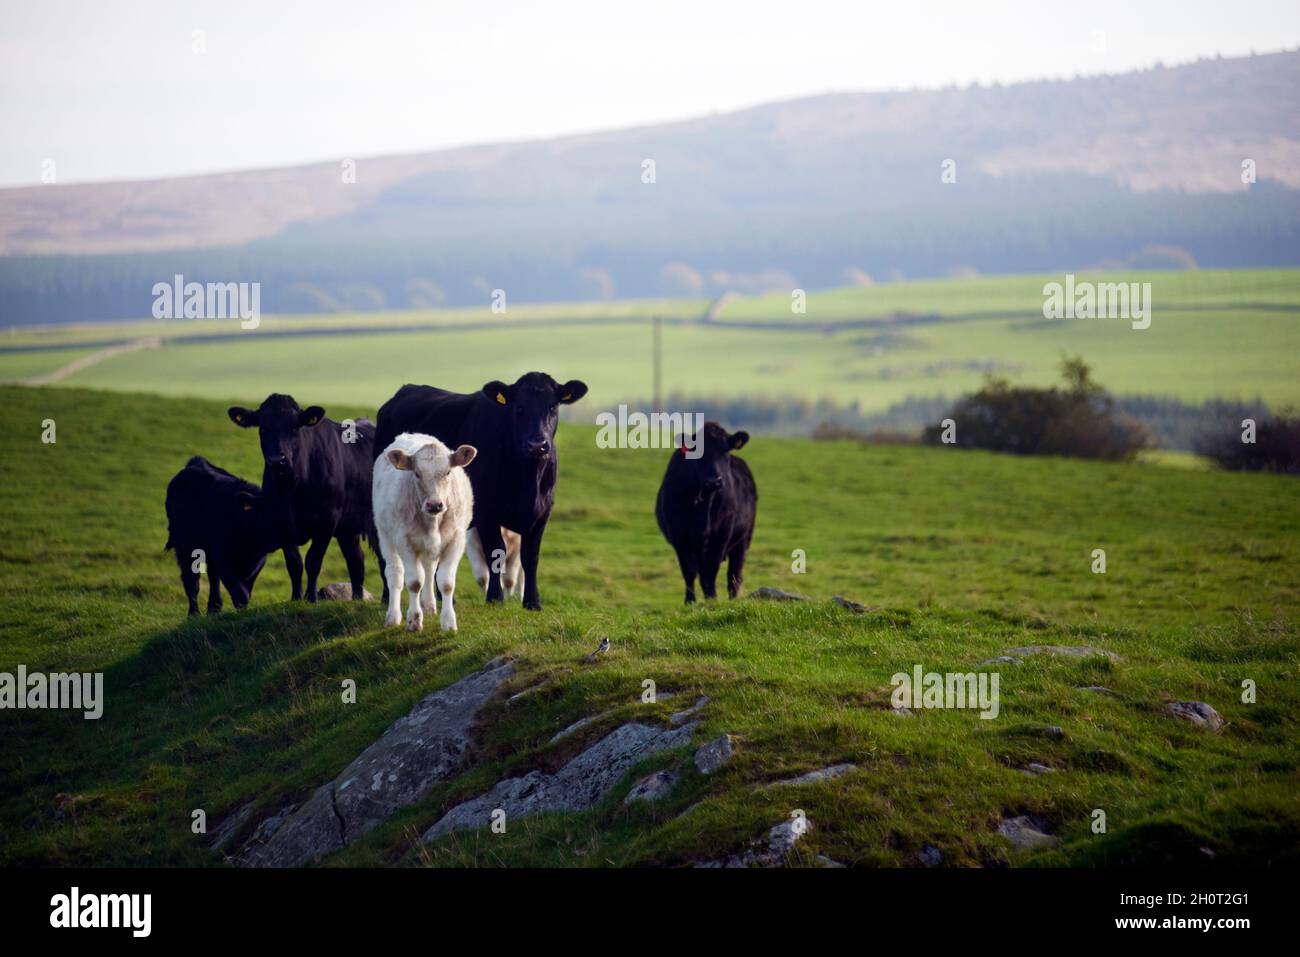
656 322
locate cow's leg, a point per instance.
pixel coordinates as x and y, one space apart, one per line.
710 562
383 577
214 587
430 594
447 565
686 560
316 558
293 565
350 546
189 580
415 583
512 580
735 569
489 533
477 563
393 572
530 550
709 577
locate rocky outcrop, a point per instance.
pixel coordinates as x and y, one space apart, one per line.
821 774
418 751
710 757
776 594
1027 833
578 786
1198 713
681 717
341 591
772 850
653 787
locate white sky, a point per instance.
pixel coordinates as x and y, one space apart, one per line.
113 90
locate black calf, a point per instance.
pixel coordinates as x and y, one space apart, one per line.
706 509
217 519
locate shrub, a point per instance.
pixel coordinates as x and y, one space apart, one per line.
1276 447
1079 420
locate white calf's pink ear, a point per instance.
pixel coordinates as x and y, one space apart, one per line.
399 460
463 456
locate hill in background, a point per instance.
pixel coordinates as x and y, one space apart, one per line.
1140 170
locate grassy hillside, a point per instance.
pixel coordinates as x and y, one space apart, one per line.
959 555
1238 330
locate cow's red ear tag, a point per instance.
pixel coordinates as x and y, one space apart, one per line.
682 450
501 398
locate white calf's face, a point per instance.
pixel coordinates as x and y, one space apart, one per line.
431 466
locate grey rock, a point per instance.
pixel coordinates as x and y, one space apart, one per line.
417 751
653 787
770 851
576 726
531 689
713 755
1069 651
825 861
1035 768
681 717
902 712
224 834
341 591
1027 833
856 607
999 660
1048 731
1198 713
1098 689
930 856
776 594
578 786
822 774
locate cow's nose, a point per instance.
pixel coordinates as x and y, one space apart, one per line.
433 508
539 448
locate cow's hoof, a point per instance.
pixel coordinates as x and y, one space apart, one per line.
415 624
392 621
533 605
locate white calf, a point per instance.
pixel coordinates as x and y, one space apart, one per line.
423 505
512 569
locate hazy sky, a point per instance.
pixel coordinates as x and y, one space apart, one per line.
112 89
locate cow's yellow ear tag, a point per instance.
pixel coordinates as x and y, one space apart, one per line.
247 507
501 398
566 397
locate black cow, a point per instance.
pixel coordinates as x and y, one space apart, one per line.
226 519
513 475
317 483
706 509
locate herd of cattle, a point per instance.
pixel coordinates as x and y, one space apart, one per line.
438 475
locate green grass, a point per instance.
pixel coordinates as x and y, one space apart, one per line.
960 556
1229 334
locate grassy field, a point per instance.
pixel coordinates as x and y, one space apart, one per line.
1230 334
959 556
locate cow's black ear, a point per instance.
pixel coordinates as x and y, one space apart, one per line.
245 418
737 440
498 392
572 391
312 415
